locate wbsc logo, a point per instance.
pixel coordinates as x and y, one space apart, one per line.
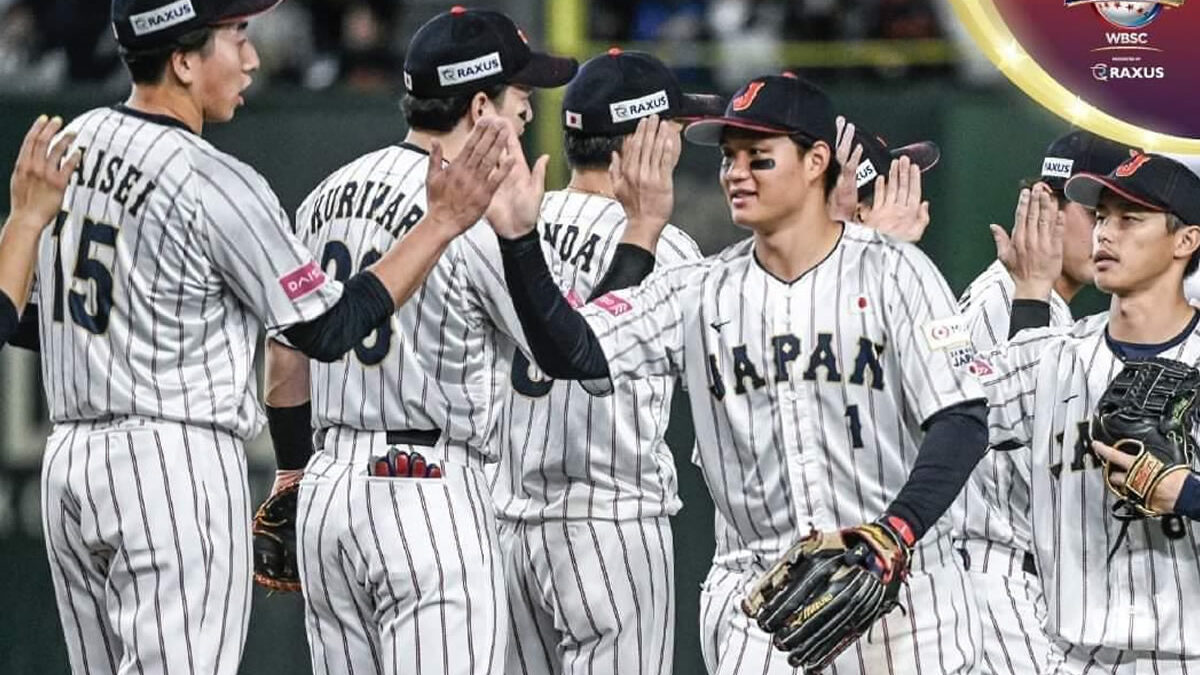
1128 14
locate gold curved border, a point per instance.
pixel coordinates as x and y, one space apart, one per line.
984 23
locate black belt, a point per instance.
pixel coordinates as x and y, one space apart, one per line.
1029 565
423 437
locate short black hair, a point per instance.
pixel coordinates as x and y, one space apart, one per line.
148 66
590 151
441 114
832 171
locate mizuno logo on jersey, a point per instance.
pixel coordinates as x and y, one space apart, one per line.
469 71
822 363
302 281
162 18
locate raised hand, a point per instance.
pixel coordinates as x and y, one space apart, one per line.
898 210
1033 254
515 207
40 176
642 176
459 192
843 200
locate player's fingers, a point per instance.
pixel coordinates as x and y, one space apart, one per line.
41 143
649 159
435 160
914 183
538 175
893 183
672 146
1003 242
499 173
614 169
633 147
880 192
1019 218
662 141
1115 457
903 178
480 150
25 154
58 151
847 144
923 216
850 166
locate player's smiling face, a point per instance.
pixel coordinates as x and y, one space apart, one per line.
1131 247
765 178
223 72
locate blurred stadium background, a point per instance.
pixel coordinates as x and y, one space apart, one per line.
328 92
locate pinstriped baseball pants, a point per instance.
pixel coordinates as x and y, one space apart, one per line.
590 596
147 527
400 575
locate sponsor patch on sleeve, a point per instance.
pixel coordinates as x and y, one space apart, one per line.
302 280
613 304
946 333
980 366
573 299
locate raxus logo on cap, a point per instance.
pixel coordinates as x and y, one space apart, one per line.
155 24
162 17
616 89
1079 151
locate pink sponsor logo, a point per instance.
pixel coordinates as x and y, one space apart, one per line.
573 299
613 304
302 281
980 367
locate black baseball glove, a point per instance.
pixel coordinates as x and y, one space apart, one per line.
828 589
274 531
1148 411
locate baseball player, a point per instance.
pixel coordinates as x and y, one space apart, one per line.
992 516
585 484
1116 596
880 186
826 368
39 179
398 553
165 261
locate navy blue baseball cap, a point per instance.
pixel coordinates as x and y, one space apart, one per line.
611 92
463 51
877 159
1081 151
152 24
784 105
1156 182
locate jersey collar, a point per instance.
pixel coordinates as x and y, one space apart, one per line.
165 120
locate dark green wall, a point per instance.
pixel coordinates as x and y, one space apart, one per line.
989 140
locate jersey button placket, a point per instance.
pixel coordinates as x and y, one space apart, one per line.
794 411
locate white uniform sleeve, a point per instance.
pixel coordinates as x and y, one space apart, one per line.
1009 375
248 238
478 253
987 308
641 329
675 247
929 335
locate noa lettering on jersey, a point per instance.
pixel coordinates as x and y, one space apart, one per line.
819 362
303 280
111 174
564 241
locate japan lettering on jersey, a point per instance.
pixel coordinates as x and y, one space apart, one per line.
994 504
167 260
1042 388
807 396
567 453
442 361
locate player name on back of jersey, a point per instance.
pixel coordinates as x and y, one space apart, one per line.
112 174
379 202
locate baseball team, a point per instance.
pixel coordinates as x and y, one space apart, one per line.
468 381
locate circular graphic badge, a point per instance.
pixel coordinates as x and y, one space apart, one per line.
1124 69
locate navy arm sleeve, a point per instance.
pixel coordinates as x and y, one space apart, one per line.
1028 314
9 321
1188 503
630 264
560 340
291 435
955 440
364 305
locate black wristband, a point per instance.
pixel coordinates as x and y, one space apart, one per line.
1188 503
630 264
8 318
1028 314
291 434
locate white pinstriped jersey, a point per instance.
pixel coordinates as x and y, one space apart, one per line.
1043 387
443 360
994 504
166 262
566 453
807 397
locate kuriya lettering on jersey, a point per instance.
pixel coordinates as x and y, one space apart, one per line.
994 505
807 397
442 361
136 313
566 453
1043 387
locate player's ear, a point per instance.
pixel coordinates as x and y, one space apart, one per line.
817 159
480 106
183 64
1187 240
